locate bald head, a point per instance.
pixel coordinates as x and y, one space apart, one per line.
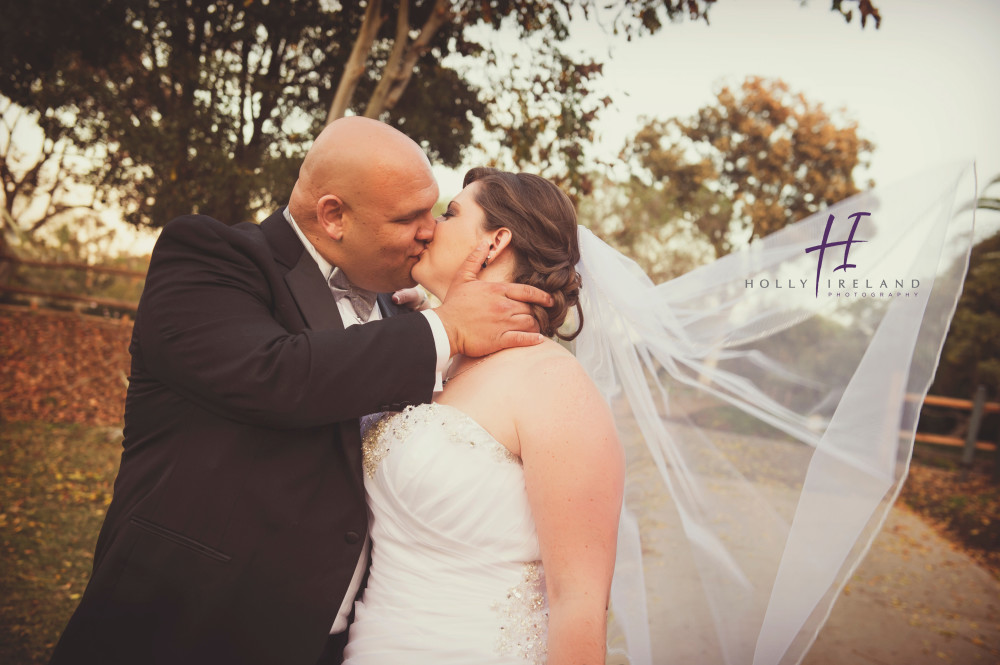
363 199
350 158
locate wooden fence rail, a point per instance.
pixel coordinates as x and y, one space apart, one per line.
124 305
74 266
978 406
121 305
962 405
971 443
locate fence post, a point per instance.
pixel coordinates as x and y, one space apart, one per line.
996 460
974 422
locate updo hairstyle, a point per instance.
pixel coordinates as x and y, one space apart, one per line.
542 222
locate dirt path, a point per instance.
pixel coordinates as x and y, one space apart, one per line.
914 599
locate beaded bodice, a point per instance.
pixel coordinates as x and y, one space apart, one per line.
456 568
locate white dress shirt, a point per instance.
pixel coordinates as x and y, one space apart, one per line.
350 317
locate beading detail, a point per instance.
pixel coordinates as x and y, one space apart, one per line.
377 432
524 616
380 430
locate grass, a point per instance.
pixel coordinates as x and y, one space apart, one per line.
55 484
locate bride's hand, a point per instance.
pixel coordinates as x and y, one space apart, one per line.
484 317
413 298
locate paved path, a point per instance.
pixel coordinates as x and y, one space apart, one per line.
913 600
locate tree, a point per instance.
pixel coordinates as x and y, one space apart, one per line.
209 106
39 176
759 158
971 354
646 225
989 202
756 160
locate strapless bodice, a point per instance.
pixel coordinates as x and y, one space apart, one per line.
456 574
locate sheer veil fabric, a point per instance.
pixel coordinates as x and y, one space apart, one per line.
767 403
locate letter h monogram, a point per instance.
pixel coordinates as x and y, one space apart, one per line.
826 244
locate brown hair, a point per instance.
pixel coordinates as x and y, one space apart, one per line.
542 222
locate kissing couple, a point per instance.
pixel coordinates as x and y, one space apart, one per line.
314 473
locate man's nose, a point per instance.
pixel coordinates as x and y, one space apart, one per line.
425 231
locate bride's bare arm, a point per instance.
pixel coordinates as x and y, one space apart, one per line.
574 472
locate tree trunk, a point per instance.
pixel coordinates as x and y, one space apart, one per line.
399 69
356 63
6 222
392 67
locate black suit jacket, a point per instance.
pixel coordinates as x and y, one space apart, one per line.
239 515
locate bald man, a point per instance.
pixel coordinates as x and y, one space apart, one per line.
238 529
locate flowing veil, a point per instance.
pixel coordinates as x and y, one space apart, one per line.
767 403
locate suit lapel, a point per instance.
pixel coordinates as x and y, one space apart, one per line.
317 304
304 279
386 306
318 308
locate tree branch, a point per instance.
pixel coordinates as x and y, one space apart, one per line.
270 93
54 211
399 69
391 71
355 66
9 126
244 92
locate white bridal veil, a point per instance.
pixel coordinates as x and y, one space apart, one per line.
768 403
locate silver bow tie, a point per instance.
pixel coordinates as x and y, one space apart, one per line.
363 301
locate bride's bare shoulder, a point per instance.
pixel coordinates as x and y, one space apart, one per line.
556 405
547 373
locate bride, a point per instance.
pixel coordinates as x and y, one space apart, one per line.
495 508
766 404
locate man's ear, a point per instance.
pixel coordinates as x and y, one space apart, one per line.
330 215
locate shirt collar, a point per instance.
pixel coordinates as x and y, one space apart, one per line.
325 266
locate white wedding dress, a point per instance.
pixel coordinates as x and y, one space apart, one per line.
456 575
767 404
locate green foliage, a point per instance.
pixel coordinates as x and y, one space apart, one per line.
207 106
865 8
989 202
94 286
39 177
651 228
202 106
75 243
971 354
757 159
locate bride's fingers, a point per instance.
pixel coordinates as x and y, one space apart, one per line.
413 297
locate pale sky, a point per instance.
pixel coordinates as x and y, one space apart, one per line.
925 87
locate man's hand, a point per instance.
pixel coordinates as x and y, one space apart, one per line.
483 317
412 298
